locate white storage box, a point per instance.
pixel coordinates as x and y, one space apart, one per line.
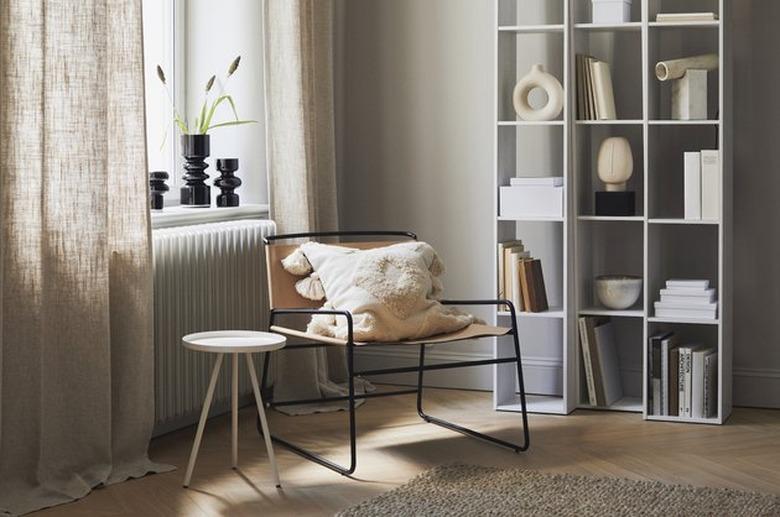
611 11
531 201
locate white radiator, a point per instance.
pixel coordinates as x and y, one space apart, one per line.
206 277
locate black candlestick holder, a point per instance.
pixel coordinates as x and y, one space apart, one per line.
157 188
195 192
227 182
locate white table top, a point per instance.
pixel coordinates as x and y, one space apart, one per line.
234 341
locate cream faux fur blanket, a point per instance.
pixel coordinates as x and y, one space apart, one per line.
391 292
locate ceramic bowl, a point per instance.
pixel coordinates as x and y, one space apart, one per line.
618 292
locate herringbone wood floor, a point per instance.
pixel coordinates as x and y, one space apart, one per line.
394 445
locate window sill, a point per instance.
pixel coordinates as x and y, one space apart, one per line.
181 216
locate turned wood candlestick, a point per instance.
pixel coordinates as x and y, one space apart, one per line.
227 182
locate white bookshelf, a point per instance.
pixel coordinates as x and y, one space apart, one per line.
656 242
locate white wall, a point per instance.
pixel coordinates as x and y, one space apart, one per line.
415 140
216 32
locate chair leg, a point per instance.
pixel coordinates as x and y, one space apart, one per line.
316 458
460 429
263 421
521 386
204 414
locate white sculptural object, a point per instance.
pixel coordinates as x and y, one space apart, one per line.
538 78
615 163
689 84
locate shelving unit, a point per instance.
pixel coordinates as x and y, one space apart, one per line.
654 243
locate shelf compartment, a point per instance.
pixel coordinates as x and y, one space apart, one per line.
536 13
667 146
583 17
681 6
588 142
528 150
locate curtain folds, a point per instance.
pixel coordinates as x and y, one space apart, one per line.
76 352
302 171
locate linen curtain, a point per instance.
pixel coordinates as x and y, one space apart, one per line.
76 353
302 171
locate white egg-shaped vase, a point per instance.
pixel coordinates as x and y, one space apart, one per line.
615 163
538 78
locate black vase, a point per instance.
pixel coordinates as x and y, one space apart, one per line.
227 182
157 188
195 192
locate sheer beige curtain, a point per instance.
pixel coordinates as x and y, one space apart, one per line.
76 370
301 164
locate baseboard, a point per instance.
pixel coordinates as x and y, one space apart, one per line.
757 387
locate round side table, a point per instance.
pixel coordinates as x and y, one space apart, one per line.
233 342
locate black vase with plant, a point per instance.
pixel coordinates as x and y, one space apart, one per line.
195 149
195 140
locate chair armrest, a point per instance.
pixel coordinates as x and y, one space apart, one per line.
330 312
497 303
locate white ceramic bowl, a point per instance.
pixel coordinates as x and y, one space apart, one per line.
618 292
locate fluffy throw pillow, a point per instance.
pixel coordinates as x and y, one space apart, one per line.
391 291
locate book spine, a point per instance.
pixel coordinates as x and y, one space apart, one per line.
586 361
687 383
697 384
710 185
692 185
674 382
515 289
539 288
605 97
665 377
500 268
524 292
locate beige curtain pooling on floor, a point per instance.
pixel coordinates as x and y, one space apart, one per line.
76 353
302 171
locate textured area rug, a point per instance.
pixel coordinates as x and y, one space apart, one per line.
468 490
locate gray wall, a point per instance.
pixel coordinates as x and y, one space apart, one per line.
415 123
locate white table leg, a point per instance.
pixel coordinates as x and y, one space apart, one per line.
263 422
234 404
204 414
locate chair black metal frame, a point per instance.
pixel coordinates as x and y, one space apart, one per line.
420 369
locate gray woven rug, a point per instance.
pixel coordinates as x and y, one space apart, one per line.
464 490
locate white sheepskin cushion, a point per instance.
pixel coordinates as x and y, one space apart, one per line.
311 287
391 292
296 263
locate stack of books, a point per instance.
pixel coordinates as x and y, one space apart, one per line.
683 378
685 17
687 299
595 96
600 361
520 277
701 184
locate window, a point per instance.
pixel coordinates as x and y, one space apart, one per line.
186 38
160 47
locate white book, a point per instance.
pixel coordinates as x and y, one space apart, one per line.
545 181
656 385
697 381
692 185
608 362
690 314
685 17
516 295
711 385
710 185
692 295
682 400
687 300
602 91
687 283
502 270
704 307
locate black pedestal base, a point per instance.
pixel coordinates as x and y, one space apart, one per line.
615 203
225 200
196 195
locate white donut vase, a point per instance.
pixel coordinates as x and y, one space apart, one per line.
538 78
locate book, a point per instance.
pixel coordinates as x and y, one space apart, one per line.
511 254
692 185
667 345
539 299
685 17
515 289
685 381
602 90
699 311
608 362
526 284
674 381
697 380
710 185
711 385
585 326
654 371
502 247
580 65
688 296
680 283
546 181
